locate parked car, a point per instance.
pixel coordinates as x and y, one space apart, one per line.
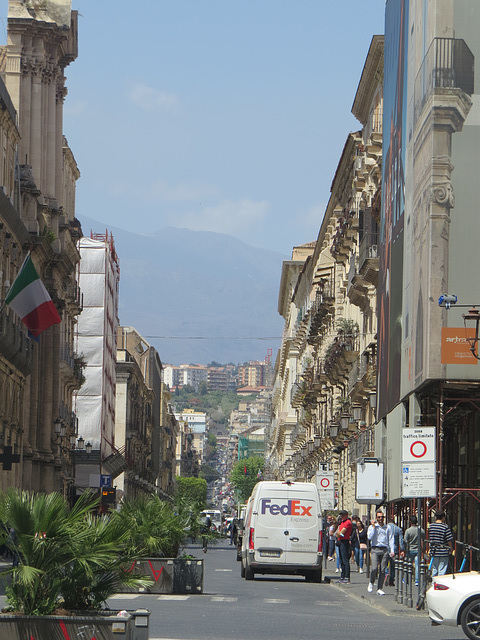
454 599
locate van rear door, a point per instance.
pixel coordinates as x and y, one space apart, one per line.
270 524
303 524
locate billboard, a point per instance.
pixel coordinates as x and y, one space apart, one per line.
390 293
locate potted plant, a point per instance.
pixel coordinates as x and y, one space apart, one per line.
66 558
157 532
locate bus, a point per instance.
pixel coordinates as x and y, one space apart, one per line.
215 516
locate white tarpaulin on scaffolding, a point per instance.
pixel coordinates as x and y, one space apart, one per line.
96 341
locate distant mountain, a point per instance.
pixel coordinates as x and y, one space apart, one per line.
187 284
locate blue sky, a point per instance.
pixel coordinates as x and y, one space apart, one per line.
220 115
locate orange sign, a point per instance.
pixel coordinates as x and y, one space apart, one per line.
455 348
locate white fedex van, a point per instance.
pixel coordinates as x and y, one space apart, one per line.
283 530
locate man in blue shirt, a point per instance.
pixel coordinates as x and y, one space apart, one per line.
398 547
381 547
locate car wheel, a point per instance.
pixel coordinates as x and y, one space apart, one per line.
242 570
249 573
471 619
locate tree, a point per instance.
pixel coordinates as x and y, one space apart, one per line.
192 491
245 475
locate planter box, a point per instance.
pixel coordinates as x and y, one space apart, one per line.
102 625
170 575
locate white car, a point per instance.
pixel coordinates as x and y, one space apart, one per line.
455 599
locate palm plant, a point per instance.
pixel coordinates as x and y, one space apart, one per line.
62 552
98 570
155 530
46 533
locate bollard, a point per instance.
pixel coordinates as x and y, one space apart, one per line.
411 573
141 619
401 573
397 575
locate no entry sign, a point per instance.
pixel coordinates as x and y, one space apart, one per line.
418 445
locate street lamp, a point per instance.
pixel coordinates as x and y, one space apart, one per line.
88 447
471 321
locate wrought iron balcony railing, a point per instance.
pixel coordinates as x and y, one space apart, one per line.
448 64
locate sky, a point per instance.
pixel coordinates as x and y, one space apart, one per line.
217 115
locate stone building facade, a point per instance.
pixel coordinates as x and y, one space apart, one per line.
41 44
325 373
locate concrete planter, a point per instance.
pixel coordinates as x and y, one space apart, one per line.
170 575
101 625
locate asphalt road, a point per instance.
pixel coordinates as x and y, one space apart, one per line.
271 608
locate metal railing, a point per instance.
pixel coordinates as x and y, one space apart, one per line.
368 248
448 64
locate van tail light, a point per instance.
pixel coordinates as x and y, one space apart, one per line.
438 586
320 541
250 539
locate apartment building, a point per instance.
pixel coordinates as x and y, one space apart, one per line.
325 371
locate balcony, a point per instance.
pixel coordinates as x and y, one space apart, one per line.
322 308
448 64
368 264
357 286
343 351
15 346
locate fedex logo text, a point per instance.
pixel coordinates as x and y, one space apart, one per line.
291 508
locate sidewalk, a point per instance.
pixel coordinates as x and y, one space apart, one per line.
358 589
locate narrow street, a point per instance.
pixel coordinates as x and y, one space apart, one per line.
272 607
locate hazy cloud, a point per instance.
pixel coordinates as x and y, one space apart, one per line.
182 192
233 218
151 99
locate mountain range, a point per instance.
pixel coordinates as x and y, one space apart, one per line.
178 285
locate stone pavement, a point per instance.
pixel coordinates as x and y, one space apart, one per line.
358 589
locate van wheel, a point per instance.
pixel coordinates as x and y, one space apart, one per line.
313 576
242 570
249 573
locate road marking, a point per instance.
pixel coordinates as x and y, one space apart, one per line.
276 601
320 603
169 597
223 599
124 596
223 569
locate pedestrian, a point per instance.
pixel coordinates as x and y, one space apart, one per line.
412 550
398 547
360 544
343 533
331 537
206 526
234 532
354 541
381 546
440 541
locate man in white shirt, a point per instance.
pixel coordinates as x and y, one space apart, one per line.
381 546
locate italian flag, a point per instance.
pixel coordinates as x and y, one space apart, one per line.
31 301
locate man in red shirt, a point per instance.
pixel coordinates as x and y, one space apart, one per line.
343 533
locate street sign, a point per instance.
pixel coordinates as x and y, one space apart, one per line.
419 462
418 444
105 480
369 487
325 481
418 480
